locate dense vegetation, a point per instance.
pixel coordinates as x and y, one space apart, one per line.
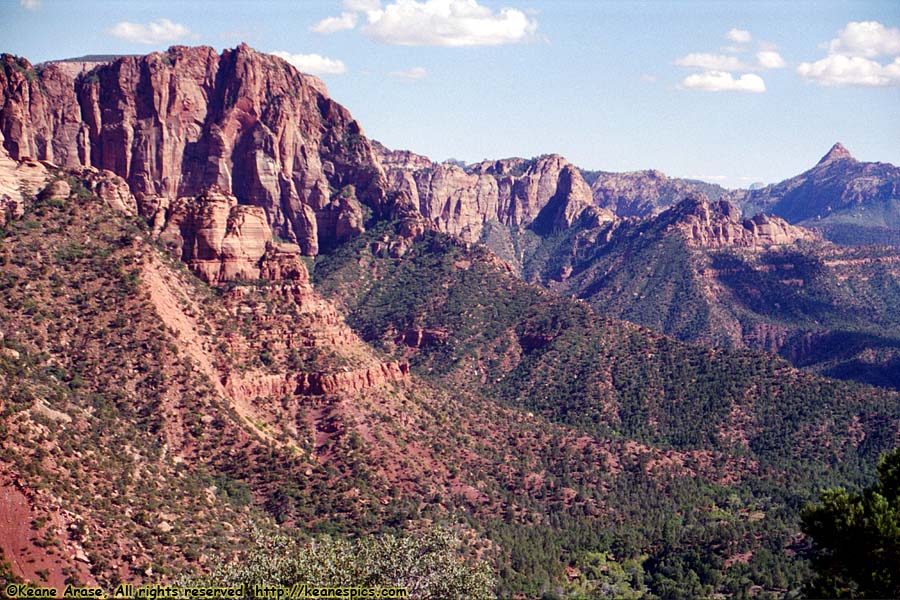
829 309
762 423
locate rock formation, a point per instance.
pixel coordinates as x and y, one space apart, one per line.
400 159
718 224
222 153
217 237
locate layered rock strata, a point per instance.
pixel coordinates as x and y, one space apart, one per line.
180 123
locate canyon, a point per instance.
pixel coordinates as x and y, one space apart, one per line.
226 311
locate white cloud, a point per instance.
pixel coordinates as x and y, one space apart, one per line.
866 38
412 74
849 61
840 70
765 59
770 59
720 81
362 5
161 31
347 20
30 4
739 36
447 23
313 63
713 62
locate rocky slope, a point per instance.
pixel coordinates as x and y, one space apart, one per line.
850 201
149 420
411 379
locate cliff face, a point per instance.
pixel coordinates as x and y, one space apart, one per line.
39 114
181 123
547 193
223 153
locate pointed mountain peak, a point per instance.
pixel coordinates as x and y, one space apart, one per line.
837 152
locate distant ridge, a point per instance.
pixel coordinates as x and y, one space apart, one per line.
850 201
91 58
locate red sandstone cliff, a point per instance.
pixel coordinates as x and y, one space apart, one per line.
179 123
547 193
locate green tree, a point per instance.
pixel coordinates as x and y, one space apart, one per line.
430 564
603 577
857 538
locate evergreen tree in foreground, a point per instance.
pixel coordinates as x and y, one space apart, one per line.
857 538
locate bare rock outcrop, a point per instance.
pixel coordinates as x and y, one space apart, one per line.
317 384
282 262
400 159
19 182
718 225
418 337
107 186
644 193
218 238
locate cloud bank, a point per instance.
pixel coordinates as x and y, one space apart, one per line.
739 36
718 70
721 81
411 74
346 20
716 62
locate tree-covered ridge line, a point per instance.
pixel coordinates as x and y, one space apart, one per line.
792 433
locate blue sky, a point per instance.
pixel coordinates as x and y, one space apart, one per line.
732 92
